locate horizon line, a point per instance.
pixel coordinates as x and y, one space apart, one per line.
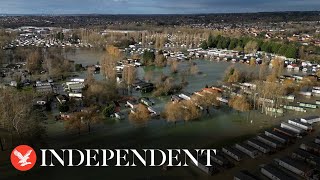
142 14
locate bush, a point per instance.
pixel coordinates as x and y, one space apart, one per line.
148 57
79 67
108 111
63 108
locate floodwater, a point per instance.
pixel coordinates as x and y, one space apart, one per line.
221 124
210 72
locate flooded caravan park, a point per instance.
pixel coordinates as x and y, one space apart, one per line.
219 126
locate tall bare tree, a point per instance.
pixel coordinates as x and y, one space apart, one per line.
174 66
173 112
34 62
109 62
251 47
129 74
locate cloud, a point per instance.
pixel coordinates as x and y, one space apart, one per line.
120 1
152 6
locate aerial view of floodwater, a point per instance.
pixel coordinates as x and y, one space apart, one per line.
219 125
223 126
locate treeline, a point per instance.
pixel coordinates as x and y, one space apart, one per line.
290 50
136 21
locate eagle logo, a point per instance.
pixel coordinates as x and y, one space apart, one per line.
23 158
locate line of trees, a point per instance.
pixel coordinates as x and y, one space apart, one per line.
248 44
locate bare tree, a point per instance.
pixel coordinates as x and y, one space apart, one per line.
233 75
263 71
18 116
251 47
252 61
271 95
173 112
190 111
58 66
207 100
90 116
100 92
164 86
308 81
89 77
160 60
74 122
240 103
194 69
277 66
236 76
34 61
140 116
174 66
129 76
109 62
148 76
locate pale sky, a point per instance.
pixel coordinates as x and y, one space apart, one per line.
153 6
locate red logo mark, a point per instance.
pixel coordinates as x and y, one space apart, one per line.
23 157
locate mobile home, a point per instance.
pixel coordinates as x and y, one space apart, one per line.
244 175
295 108
286 132
298 123
185 96
311 119
233 153
306 156
146 101
176 98
294 166
308 105
277 136
250 151
292 128
314 148
132 104
269 141
274 173
259 145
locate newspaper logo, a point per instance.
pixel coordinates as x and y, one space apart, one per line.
23 158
